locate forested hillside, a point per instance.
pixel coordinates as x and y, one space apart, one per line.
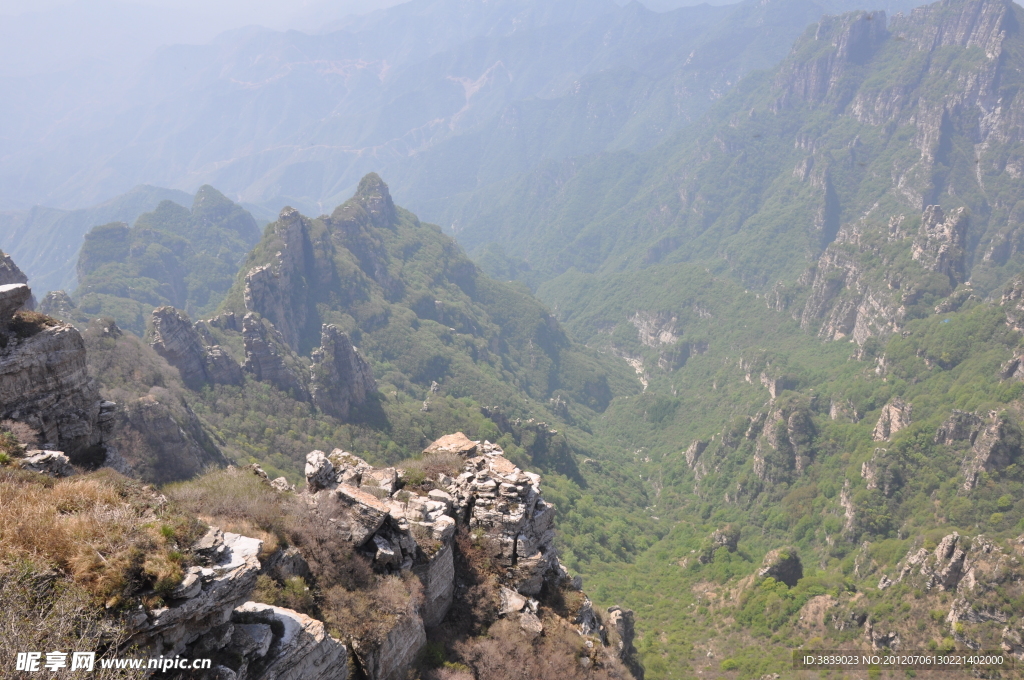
815 287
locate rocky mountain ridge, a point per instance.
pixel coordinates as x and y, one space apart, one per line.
402 530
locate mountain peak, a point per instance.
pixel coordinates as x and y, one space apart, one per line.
375 197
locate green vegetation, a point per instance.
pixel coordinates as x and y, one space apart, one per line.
171 256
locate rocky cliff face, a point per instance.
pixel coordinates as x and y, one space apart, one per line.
340 379
265 357
939 245
861 286
403 530
44 381
894 417
175 339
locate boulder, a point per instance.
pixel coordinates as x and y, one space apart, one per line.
52 463
251 639
13 297
10 273
365 514
782 564
453 443
319 472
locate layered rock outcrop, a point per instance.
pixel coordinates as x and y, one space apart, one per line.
995 447
176 339
404 529
995 442
894 417
786 441
939 245
10 273
44 381
340 379
273 290
407 534
265 360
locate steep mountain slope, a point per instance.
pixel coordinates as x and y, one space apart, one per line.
850 195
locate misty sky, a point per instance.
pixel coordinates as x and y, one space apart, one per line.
224 14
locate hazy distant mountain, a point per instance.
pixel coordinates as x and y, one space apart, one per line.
826 154
46 240
428 92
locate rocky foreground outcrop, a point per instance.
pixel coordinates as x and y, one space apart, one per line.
402 529
44 382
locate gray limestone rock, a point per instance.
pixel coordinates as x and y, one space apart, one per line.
320 472
995 447
52 463
13 297
395 654
57 303
178 341
301 648
939 245
960 426
251 639
782 564
264 358
622 621
10 273
226 584
692 453
365 514
271 289
340 379
894 417
175 339
45 384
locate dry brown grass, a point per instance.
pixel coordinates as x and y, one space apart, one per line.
369 614
110 535
236 500
427 468
45 611
25 323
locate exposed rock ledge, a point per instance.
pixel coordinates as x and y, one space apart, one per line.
400 530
